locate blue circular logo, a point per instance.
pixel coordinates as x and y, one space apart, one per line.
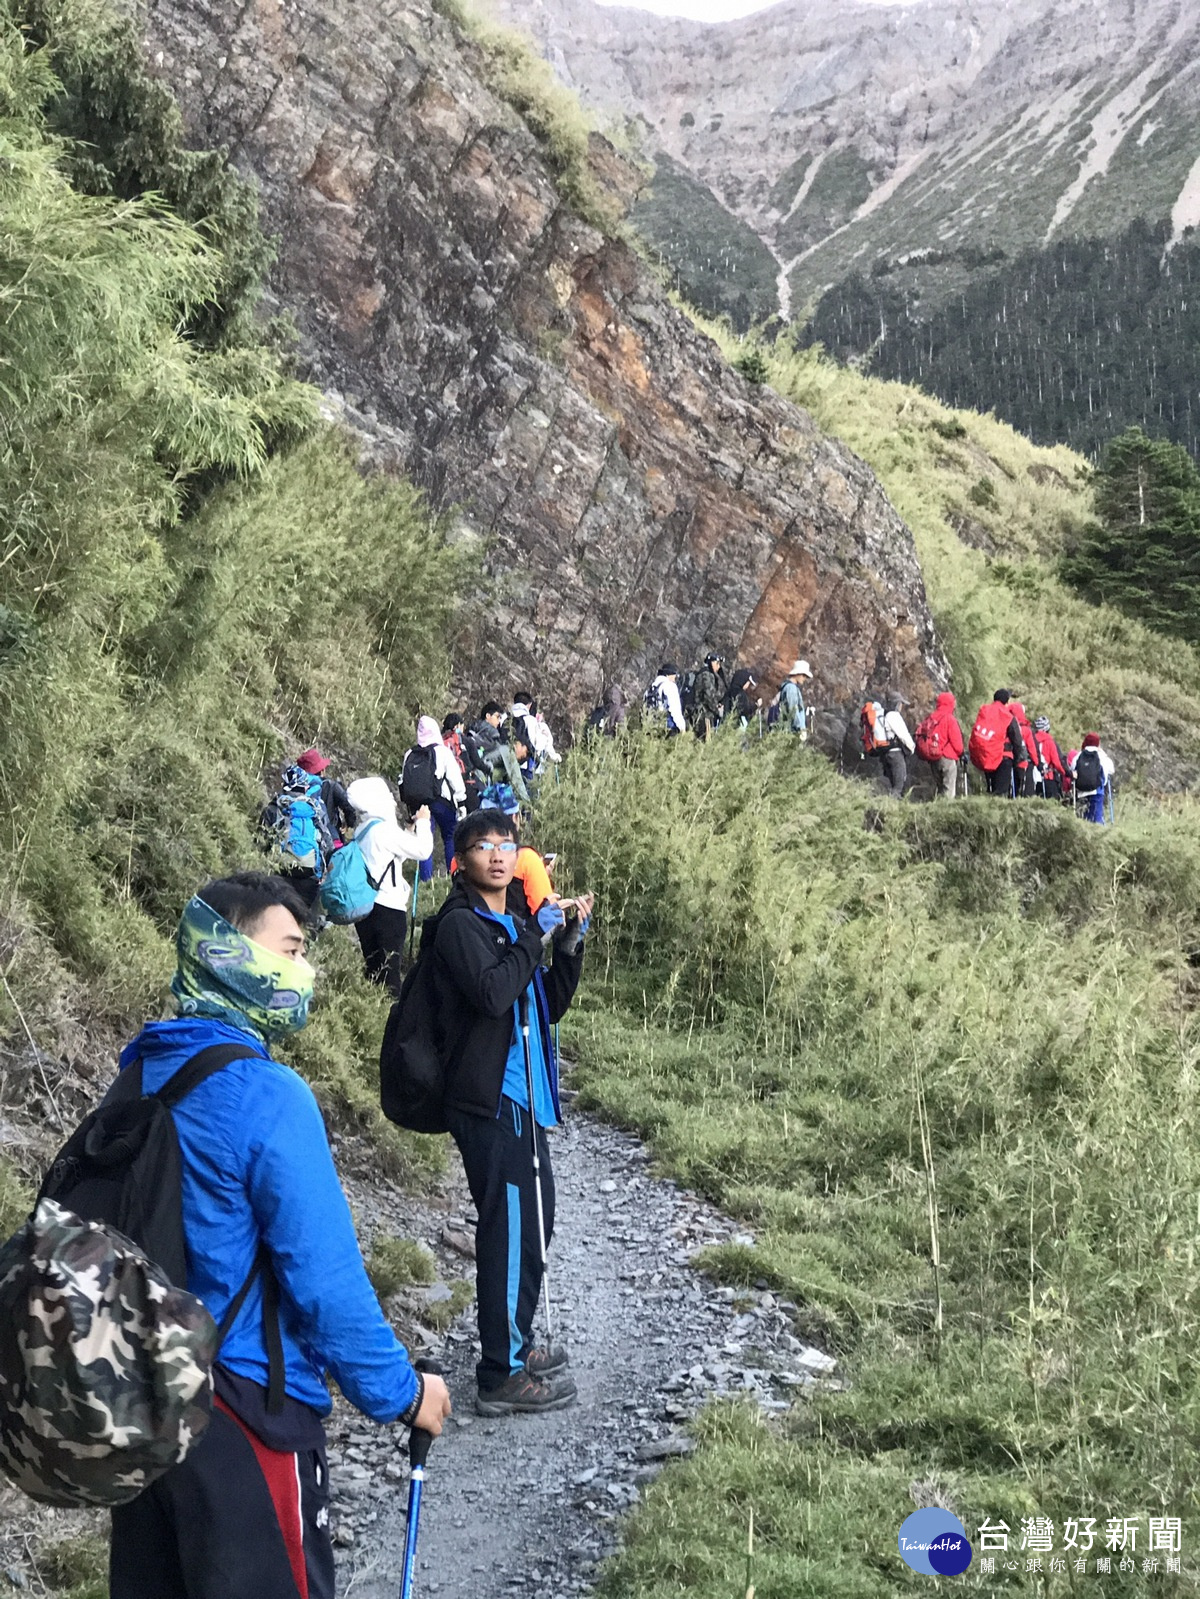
934 1542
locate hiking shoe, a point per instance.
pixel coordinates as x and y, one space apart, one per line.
522 1391
545 1359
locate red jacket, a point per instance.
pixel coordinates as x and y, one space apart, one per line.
1022 722
939 736
1048 756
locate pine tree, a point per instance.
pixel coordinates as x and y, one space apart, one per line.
1143 554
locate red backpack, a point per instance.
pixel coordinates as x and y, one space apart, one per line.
986 745
930 736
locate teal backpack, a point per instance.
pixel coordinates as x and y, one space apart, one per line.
347 892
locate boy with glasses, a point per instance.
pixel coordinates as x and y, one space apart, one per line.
486 977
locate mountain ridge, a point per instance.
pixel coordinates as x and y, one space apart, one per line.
839 135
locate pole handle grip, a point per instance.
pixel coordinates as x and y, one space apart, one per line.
420 1442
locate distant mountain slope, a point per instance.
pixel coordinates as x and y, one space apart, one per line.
846 134
1070 344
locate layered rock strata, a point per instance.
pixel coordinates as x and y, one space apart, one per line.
638 498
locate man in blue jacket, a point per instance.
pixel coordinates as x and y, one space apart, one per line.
246 1514
486 977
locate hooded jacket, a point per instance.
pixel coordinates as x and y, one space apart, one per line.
478 975
946 721
386 845
257 1166
447 773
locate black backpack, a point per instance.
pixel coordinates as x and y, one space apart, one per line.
419 780
1089 772
412 1073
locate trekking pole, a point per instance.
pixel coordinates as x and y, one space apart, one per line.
537 1163
412 920
419 1444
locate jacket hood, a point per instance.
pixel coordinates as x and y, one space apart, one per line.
428 732
372 799
945 702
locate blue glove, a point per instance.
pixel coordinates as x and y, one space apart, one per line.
551 917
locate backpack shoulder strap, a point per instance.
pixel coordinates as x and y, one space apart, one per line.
201 1066
272 1337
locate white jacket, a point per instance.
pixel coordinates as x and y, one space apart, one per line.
669 689
387 845
1107 765
896 727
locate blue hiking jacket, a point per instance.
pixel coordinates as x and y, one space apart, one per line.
257 1165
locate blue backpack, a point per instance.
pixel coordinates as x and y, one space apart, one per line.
295 821
498 797
347 892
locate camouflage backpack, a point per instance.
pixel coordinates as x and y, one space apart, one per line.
105 1361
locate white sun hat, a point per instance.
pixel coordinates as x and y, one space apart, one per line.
800 669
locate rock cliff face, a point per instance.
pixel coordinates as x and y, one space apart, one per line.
639 497
839 133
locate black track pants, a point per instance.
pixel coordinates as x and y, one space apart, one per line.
1001 780
381 939
235 1520
498 1159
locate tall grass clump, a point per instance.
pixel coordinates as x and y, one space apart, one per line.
942 1060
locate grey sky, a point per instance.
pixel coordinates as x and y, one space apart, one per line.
712 10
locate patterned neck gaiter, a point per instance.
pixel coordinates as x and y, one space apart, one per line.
227 976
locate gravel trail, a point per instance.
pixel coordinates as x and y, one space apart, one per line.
530 1504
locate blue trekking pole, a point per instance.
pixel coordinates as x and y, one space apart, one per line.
419 1444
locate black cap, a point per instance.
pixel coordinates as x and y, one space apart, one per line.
668 669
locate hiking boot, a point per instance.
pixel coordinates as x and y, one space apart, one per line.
522 1391
545 1359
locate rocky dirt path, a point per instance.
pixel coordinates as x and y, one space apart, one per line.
531 1504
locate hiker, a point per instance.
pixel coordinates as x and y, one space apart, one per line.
385 847
453 731
430 776
709 689
1026 771
245 1515
492 759
793 714
339 813
540 739
609 715
939 741
997 743
894 766
1092 773
487 971
296 832
1049 760
531 885
662 699
742 701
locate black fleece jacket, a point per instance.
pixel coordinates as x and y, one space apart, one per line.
478 974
